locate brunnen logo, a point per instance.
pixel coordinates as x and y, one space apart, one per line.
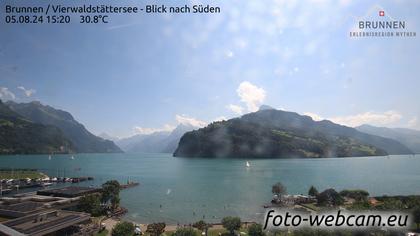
383 26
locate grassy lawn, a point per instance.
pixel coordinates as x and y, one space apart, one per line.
20 174
311 206
102 233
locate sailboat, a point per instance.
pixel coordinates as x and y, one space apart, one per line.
72 157
247 164
49 157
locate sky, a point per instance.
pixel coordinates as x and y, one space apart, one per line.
142 73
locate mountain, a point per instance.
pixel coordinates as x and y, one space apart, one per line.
408 137
151 143
158 142
82 140
265 107
171 142
270 133
21 136
108 137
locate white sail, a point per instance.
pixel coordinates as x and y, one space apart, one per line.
247 164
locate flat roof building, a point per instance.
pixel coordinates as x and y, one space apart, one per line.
45 223
69 192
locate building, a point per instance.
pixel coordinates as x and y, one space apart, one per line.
45 223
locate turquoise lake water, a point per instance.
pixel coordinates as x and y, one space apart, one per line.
182 190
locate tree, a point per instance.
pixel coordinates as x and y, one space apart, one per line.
111 192
185 231
115 202
358 195
123 229
278 189
330 197
255 230
202 226
91 204
231 224
416 217
156 229
313 191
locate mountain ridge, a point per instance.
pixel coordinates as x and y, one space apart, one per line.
157 142
83 140
19 135
408 137
270 133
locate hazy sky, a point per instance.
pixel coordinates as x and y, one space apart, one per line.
142 73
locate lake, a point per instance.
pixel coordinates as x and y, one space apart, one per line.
182 190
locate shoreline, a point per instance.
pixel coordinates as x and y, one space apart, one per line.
110 223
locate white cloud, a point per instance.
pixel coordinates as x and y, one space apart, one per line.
235 109
143 130
229 53
27 92
385 118
6 94
413 122
186 120
180 119
314 116
251 95
220 118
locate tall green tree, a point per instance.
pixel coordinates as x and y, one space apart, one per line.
255 230
111 192
313 191
279 189
231 224
123 229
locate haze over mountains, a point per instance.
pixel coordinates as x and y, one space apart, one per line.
271 133
408 137
82 141
158 142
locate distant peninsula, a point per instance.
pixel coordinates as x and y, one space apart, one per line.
270 133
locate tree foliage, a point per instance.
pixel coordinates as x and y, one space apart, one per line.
278 189
358 194
313 191
185 231
156 229
110 193
231 224
123 229
91 204
255 230
330 197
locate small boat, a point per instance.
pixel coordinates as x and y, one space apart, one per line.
247 164
49 157
72 157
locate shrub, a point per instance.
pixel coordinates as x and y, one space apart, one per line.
123 229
